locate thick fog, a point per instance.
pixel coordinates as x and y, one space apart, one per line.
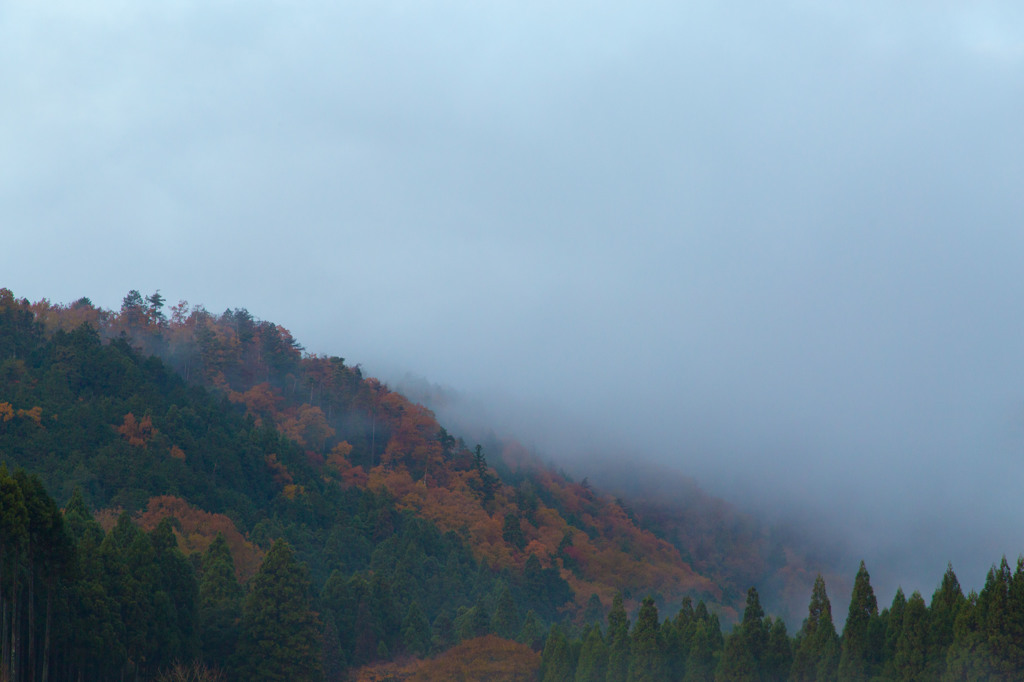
775 246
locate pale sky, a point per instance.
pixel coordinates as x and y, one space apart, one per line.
776 246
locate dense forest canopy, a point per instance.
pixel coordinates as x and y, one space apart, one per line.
181 488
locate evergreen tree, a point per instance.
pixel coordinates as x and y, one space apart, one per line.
593 614
506 622
893 620
646 660
592 665
705 646
556 661
531 634
969 658
858 655
910 657
816 655
220 604
280 630
416 631
743 656
946 603
618 636
512 532
778 658
331 656
994 611
1015 621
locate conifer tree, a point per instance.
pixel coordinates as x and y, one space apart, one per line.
743 656
858 655
416 630
506 622
556 660
618 636
532 633
1015 621
778 657
280 630
593 661
946 603
816 655
893 621
910 657
705 646
969 657
646 662
994 610
220 604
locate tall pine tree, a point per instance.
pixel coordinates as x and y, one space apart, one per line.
280 631
859 653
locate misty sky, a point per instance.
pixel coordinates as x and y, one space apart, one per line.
776 246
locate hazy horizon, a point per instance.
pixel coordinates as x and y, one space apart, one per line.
775 248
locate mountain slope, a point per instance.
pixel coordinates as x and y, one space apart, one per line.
280 439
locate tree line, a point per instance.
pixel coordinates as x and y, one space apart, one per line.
977 637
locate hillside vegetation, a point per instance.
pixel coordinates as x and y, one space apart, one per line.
224 491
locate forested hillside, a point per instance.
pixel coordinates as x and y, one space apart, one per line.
233 503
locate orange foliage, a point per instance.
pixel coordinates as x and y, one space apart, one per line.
197 529
137 433
260 401
35 414
7 413
280 472
177 453
307 426
484 658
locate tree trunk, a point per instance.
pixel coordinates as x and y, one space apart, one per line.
5 648
46 635
15 629
30 663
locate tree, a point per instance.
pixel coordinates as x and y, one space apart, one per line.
593 662
506 616
946 603
280 630
512 532
778 656
910 657
744 653
705 646
816 654
416 630
556 664
618 636
646 662
220 603
859 654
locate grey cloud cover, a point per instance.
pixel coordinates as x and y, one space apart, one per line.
774 245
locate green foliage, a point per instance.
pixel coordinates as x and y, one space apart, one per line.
859 653
618 635
646 648
280 630
220 604
816 652
910 656
556 662
593 661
